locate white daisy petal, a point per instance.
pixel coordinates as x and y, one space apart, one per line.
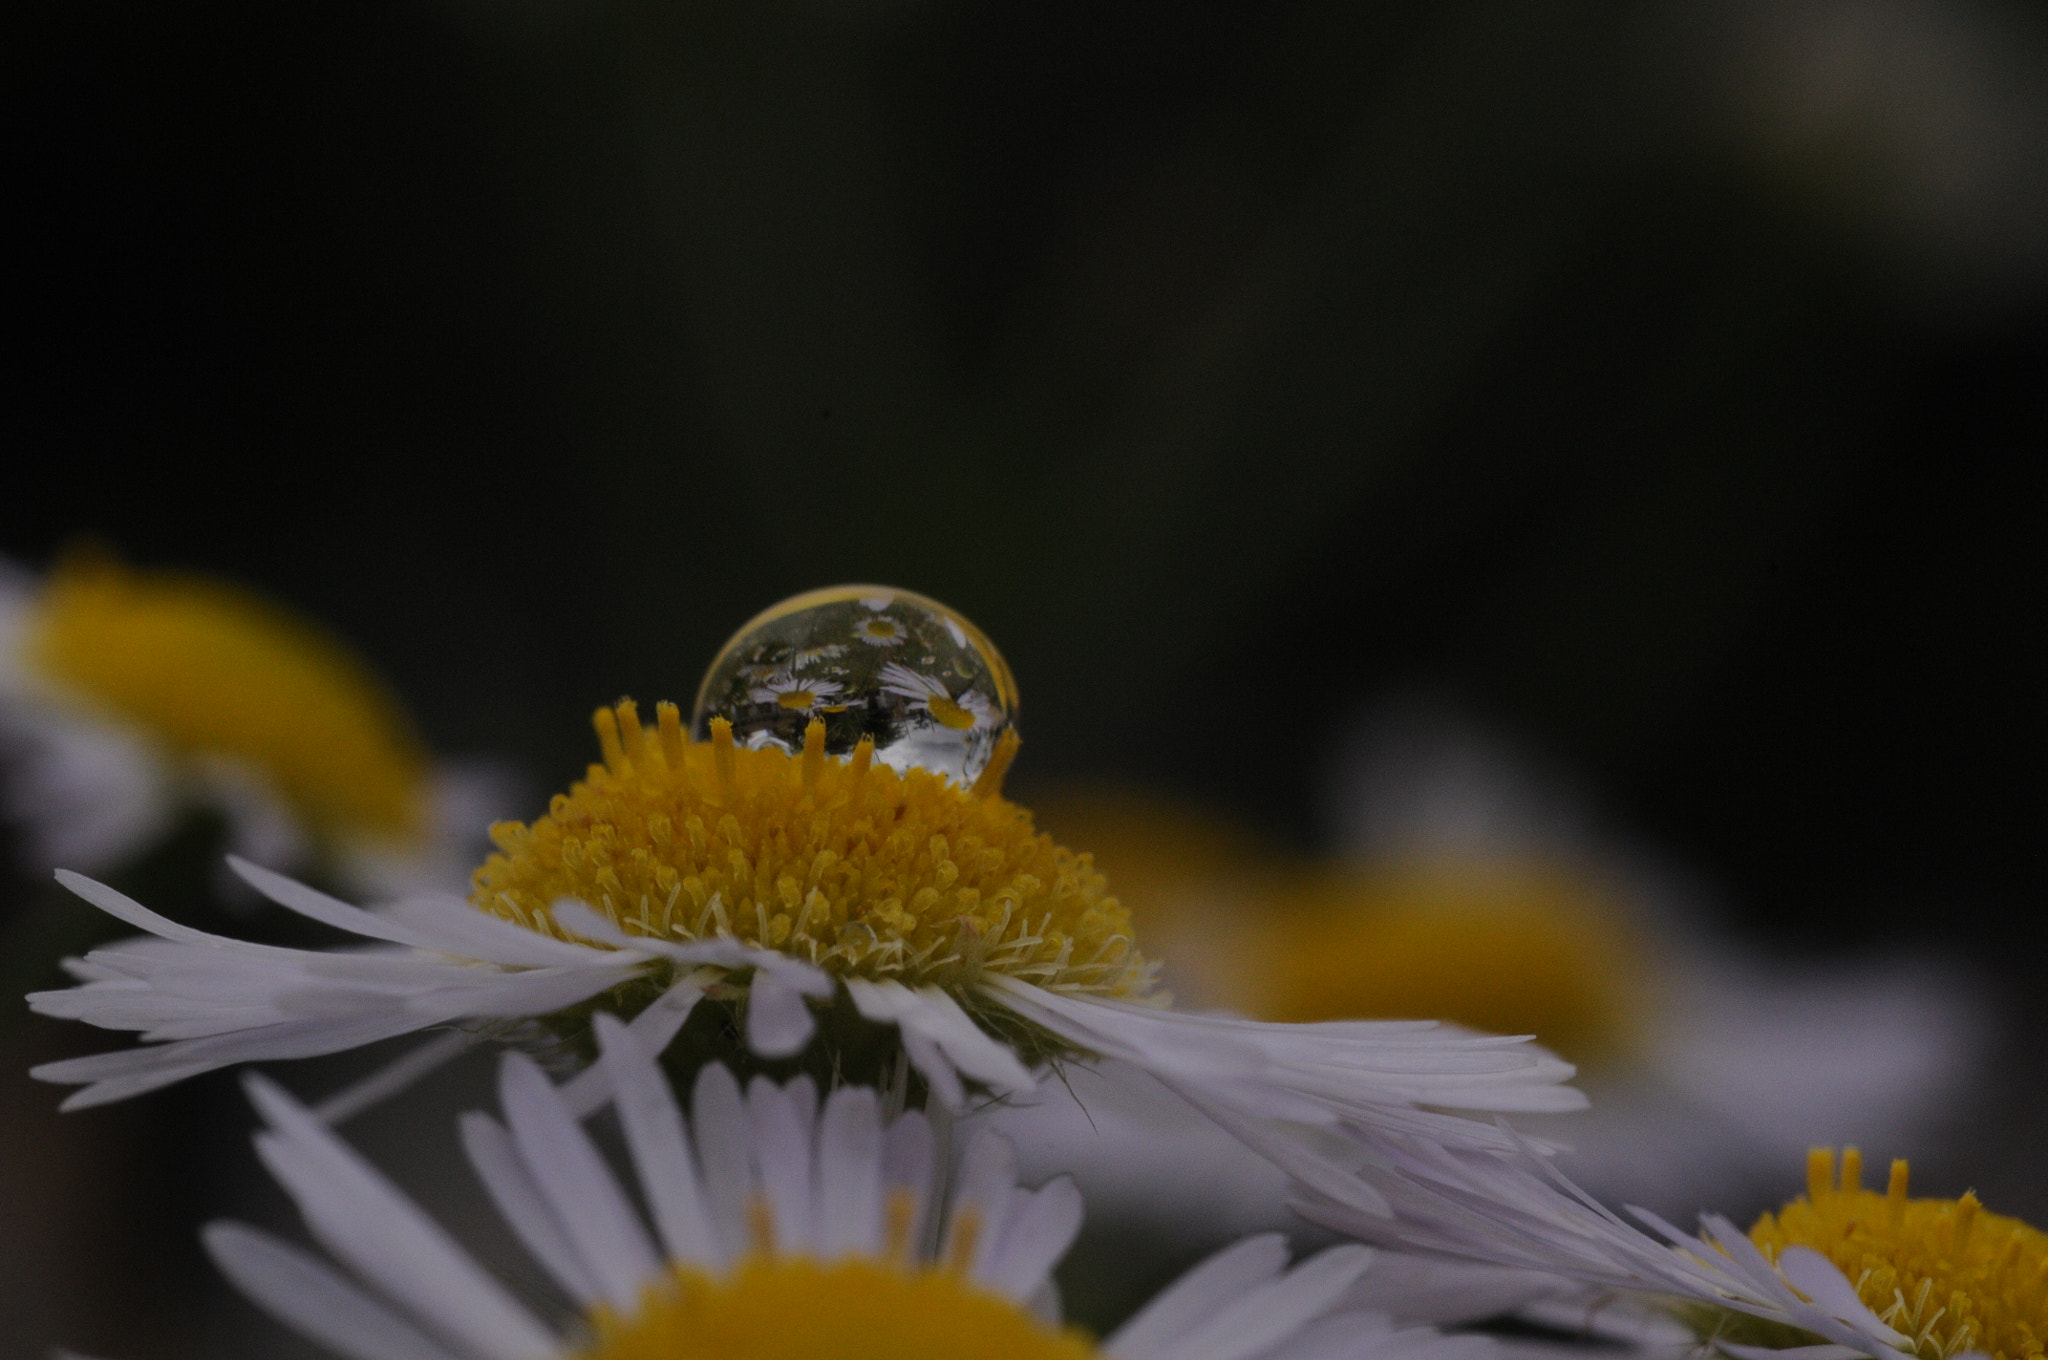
781 1118
848 1188
203 1001
779 1024
1268 1315
363 1219
1231 1273
907 1167
652 1029
572 1178
299 1291
1038 1234
660 1149
455 926
318 906
520 1203
718 1119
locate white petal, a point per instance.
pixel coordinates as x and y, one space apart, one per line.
779 1024
1225 1276
718 1121
1268 1315
393 1077
457 926
521 1204
1815 1276
318 906
652 1029
907 1169
572 1178
305 1295
1038 1234
126 908
367 1223
660 1149
132 1070
781 1119
848 1190
984 1191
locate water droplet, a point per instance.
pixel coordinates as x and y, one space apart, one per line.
867 661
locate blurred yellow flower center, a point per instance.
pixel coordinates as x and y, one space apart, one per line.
208 669
801 1309
1509 951
1945 1272
949 713
842 862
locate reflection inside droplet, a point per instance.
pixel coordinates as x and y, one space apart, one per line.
867 661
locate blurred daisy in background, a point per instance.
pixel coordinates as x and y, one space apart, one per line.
1839 1272
781 1226
131 699
1475 891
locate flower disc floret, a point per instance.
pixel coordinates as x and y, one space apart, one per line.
846 864
798 1308
1945 1272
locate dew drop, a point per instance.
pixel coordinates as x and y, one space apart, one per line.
867 661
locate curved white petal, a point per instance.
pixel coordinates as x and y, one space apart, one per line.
301 1292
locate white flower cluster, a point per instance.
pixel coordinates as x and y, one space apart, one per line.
799 1207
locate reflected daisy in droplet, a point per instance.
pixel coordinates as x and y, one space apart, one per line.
881 630
131 698
890 926
1839 1273
960 711
793 693
782 1228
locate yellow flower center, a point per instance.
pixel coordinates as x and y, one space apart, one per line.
207 668
1944 1271
802 1309
949 713
845 863
1509 951
796 699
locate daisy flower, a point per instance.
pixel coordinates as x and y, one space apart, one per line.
879 630
1475 892
781 1227
790 692
1838 1273
786 889
128 697
961 712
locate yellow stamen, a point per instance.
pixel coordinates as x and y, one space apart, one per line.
802 1309
1947 1273
208 669
1820 1172
670 720
853 866
814 754
723 757
1852 1170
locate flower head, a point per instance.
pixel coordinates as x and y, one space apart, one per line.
1844 1271
128 697
778 1225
